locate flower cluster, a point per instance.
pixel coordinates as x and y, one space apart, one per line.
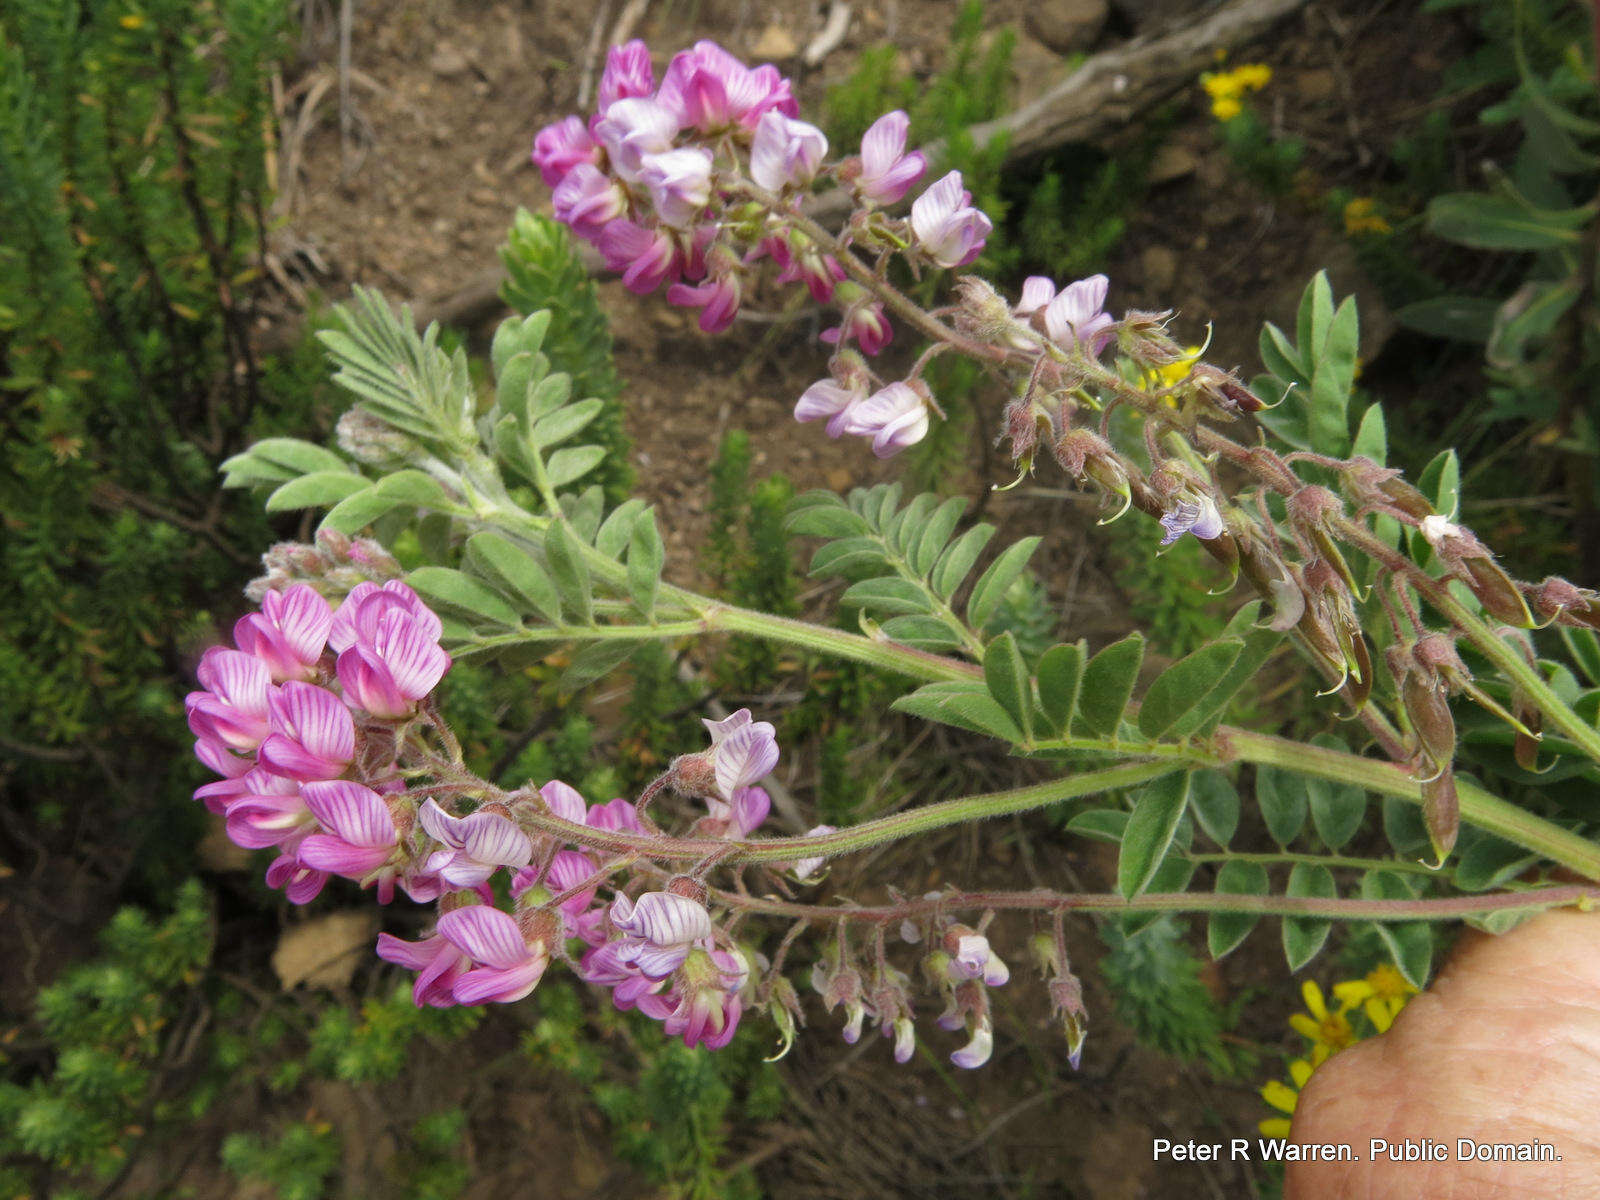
1378 996
695 182
1227 88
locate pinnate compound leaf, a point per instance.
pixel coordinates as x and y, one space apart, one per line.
958 558
1156 812
355 512
1303 937
1410 943
570 572
887 594
1100 824
617 529
573 463
1281 796
1337 809
595 661
822 514
415 488
1225 930
294 456
1178 691
317 490
1007 678
514 571
923 633
992 584
645 557
1108 680
935 535
453 589
1060 674
964 705
1215 802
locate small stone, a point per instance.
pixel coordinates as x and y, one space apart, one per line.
447 62
1158 265
324 951
1171 163
1066 25
775 44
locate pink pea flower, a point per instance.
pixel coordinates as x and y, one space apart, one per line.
269 811
749 808
618 814
628 985
1199 517
568 869
564 801
645 258
231 713
1077 315
588 200
711 89
949 230
561 146
393 664
473 847
313 735
717 298
659 931
1037 292
358 617
289 632
628 74
629 130
300 883
887 173
798 259
509 967
825 398
704 1006
359 834
438 961
864 323
785 153
679 182
742 751
894 417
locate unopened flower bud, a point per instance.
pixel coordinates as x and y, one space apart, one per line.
1441 812
1223 391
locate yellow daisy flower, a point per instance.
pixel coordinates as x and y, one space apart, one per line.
1381 995
1226 108
1361 216
1284 1097
1320 1025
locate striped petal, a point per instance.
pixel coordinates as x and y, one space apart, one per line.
486 935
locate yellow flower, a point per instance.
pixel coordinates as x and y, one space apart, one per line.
1381 995
1254 76
1319 1025
1226 108
1177 372
131 21
1361 216
1220 87
1284 1098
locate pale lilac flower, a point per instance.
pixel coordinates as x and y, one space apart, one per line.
894 417
627 74
508 967
359 834
785 152
1199 517
976 1052
659 931
679 182
602 966
439 962
887 172
711 89
313 735
971 957
289 632
743 751
231 713
631 129
588 200
387 672
561 146
267 811
717 298
803 869
645 258
905 1039
1077 315
473 847
825 398
1037 292
949 230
